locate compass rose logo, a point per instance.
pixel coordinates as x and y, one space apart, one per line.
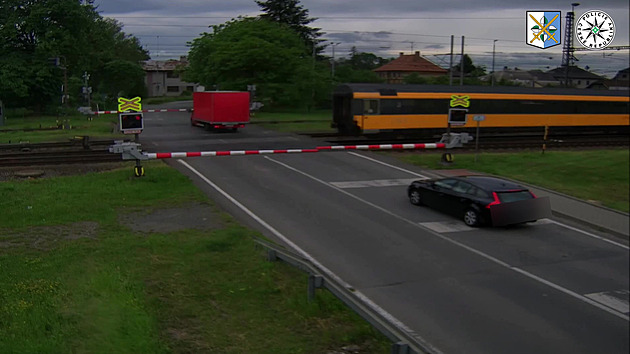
543 28
595 29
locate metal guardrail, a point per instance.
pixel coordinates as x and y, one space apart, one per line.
403 341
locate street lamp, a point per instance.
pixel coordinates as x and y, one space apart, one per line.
493 51
333 44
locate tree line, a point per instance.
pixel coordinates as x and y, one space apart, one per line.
278 51
34 33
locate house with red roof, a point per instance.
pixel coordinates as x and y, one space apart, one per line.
396 70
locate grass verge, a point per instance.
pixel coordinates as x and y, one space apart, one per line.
67 127
77 276
596 175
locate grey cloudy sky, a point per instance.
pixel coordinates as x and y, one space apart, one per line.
385 27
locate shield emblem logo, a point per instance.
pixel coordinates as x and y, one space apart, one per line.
543 28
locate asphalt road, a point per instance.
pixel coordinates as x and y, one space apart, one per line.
537 288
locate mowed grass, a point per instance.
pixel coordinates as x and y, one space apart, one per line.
285 121
100 127
594 175
74 278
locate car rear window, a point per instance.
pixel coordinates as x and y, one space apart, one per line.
514 196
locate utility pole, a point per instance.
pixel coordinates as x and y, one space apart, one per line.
493 51
333 44
86 89
461 65
450 66
567 50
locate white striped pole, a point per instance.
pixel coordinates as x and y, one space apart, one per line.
168 155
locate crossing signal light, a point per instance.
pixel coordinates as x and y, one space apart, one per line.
457 116
131 122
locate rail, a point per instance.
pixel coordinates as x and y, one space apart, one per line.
404 341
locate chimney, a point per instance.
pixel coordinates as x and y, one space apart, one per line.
417 53
401 54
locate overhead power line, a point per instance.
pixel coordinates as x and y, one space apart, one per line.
494 19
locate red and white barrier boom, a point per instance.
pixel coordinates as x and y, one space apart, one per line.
143 111
132 151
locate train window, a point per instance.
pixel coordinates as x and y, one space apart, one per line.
370 107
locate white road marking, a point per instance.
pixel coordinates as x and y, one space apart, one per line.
313 261
459 226
388 165
617 300
471 249
447 226
374 183
590 234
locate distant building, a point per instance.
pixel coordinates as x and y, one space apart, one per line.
578 77
621 81
530 78
162 78
396 70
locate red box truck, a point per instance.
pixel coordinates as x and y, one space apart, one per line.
220 110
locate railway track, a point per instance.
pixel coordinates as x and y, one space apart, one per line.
80 153
57 157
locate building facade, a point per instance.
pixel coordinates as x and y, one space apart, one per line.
163 78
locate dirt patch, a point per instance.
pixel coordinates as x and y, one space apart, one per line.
17 172
47 237
194 216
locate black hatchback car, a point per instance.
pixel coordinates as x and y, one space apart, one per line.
480 200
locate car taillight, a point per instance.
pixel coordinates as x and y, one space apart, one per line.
496 200
533 195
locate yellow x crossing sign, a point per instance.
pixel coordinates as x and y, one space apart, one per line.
460 101
132 104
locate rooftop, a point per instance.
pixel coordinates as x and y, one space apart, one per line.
411 63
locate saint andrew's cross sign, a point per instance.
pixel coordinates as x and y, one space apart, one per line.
132 104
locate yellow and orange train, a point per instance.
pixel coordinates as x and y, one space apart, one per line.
364 108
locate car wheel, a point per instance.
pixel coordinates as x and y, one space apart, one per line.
414 197
472 218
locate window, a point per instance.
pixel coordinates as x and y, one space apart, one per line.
172 88
446 183
507 197
172 74
370 107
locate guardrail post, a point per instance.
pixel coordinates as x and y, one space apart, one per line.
272 256
400 348
314 281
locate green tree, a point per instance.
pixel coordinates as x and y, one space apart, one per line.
294 15
249 51
33 31
470 68
365 61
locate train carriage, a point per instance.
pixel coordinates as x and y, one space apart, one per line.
364 108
